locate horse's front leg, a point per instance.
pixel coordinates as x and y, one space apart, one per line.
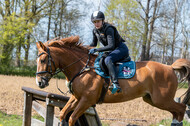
81 107
71 104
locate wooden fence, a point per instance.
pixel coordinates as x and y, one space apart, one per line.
31 98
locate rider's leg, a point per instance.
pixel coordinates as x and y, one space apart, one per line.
114 56
112 73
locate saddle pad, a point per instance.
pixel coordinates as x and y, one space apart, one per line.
125 70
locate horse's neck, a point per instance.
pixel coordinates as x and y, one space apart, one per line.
72 63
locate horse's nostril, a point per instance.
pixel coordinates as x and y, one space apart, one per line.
40 84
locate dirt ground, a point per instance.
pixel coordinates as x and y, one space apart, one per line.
134 112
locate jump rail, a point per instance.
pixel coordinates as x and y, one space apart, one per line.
31 96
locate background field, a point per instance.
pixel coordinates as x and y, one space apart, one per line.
131 112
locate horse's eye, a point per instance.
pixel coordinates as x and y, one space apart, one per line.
42 61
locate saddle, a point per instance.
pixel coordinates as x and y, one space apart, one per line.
103 65
125 68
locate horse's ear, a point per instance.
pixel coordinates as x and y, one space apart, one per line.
41 45
37 45
55 44
75 38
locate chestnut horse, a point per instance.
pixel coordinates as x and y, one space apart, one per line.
155 82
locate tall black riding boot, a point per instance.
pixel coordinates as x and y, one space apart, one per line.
112 73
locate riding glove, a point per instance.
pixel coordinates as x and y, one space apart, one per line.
92 51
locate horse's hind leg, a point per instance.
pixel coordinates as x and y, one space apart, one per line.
177 109
148 99
71 104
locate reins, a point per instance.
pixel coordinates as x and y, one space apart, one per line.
50 59
49 64
85 68
59 70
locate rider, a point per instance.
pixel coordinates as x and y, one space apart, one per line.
108 35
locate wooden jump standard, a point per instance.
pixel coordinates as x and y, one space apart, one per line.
31 96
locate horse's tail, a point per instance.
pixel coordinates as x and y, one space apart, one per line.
182 66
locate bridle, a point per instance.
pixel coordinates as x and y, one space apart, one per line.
50 59
49 64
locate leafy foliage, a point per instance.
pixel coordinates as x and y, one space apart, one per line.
22 23
23 71
124 14
13 32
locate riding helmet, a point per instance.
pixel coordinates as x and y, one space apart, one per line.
97 15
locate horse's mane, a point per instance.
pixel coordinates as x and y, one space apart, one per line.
72 41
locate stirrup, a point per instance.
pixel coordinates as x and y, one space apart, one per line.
114 88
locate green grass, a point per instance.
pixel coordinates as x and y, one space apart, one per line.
14 120
10 120
104 123
183 85
167 122
37 116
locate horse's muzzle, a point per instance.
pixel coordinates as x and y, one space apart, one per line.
43 83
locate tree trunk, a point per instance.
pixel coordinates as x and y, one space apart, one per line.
6 48
145 34
174 32
27 50
18 53
6 54
49 20
151 31
61 18
7 7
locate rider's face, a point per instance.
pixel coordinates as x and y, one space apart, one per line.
98 24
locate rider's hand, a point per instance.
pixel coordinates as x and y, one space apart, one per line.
92 51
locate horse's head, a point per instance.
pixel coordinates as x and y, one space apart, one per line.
71 51
45 66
